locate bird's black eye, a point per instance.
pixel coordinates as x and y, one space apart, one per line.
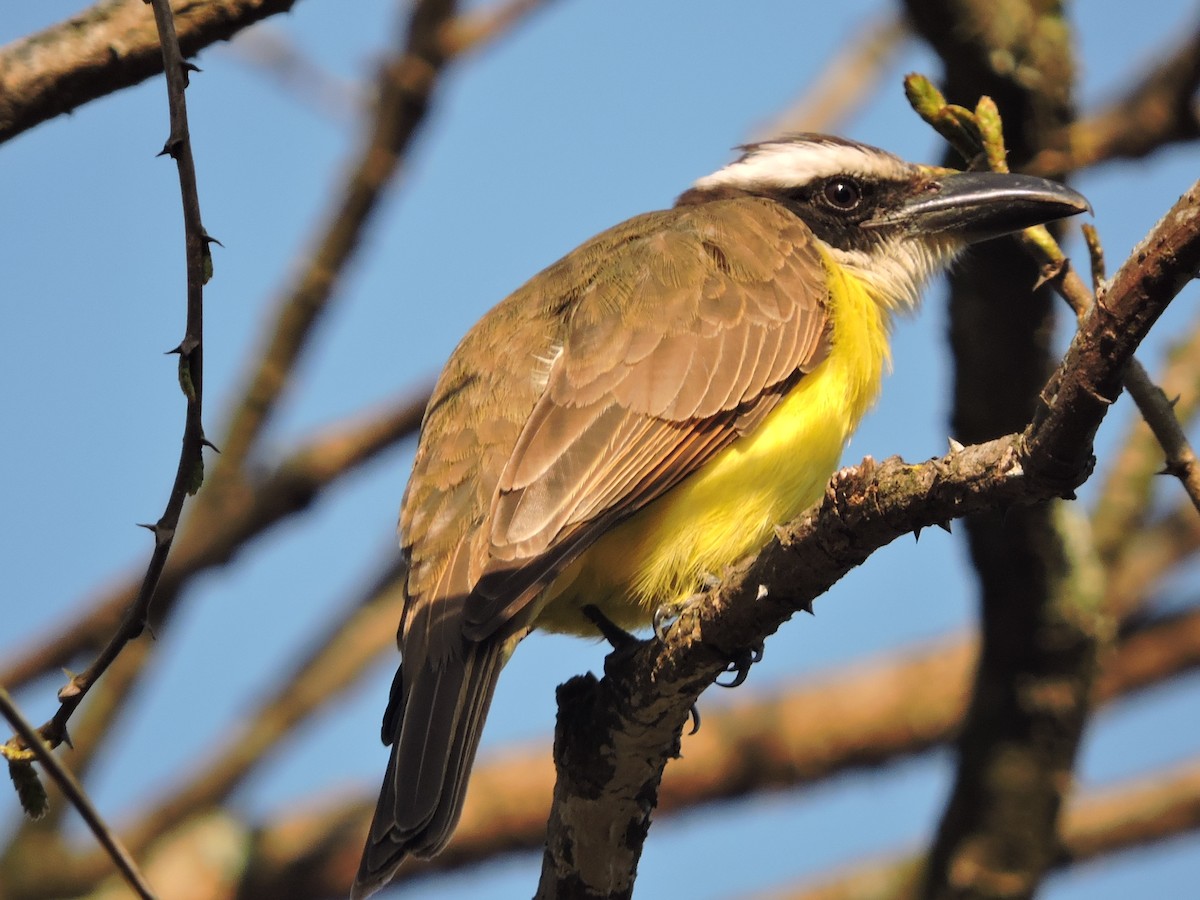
841 193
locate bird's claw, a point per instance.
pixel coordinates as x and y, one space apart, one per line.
740 666
663 620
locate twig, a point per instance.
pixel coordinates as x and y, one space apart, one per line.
1124 498
76 795
190 471
1181 460
112 45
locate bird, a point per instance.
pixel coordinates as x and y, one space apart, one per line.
642 414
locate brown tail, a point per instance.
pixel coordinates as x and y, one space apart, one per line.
433 723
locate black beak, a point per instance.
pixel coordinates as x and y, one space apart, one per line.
979 206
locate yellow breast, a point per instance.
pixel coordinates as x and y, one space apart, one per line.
730 507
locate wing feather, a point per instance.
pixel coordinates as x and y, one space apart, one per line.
710 332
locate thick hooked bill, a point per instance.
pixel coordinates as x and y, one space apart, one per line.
984 205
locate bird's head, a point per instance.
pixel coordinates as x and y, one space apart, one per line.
891 223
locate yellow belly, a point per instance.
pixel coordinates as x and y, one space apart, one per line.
730 507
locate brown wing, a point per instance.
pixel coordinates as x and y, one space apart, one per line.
691 332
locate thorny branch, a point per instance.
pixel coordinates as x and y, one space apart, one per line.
977 135
190 471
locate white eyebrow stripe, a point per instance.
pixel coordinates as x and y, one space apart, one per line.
792 164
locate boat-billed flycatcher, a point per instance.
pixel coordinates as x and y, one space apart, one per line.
644 412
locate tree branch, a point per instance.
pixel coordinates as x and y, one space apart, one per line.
109 46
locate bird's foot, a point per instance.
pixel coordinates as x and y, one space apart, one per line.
666 615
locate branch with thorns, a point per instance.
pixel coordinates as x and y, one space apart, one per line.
978 136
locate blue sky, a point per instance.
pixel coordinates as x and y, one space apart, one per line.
594 112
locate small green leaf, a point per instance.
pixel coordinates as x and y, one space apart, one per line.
185 377
197 478
29 789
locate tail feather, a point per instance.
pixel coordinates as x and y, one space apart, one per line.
436 720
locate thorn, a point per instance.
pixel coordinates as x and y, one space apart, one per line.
184 347
917 534
70 689
205 442
162 535
209 239
945 526
171 148
191 67
1173 402
761 593
805 606
694 715
66 737
955 446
